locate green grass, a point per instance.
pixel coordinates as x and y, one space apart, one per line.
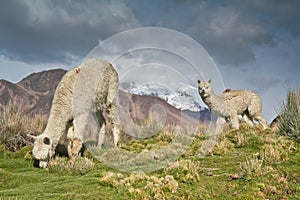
225 173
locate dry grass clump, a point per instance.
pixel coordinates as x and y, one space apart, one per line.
141 185
185 170
252 167
289 120
80 165
223 147
15 125
241 140
273 154
150 127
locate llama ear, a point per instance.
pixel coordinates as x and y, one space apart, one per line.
32 136
209 81
199 81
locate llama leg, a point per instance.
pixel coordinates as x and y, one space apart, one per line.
115 122
116 134
248 120
255 111
113 100
220 122
261 120
234 121
74 144
74 148
101 136
70 137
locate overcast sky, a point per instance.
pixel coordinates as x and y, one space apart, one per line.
255 44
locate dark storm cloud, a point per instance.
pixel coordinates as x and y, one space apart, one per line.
58 31
228 29
245 25
277 14
54 31
223 29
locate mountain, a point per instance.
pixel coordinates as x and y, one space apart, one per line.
42 85
35 92
10 91
184 97
139 107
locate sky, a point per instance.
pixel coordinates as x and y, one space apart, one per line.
255 44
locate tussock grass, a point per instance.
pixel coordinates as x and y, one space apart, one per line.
273 154
186 171
80 165
242 139
252 167
141 185
15 125
289 120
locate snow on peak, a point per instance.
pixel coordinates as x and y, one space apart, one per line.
184 97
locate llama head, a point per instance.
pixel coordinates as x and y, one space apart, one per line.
204 88
42 149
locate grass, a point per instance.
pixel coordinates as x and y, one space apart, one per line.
289 121
15 125
249 163
263 166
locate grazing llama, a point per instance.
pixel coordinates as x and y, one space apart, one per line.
71 104
232 103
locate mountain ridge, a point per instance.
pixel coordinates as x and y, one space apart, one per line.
35 92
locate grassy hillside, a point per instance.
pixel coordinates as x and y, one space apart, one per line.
245 164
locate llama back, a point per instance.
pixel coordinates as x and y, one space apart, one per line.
241 100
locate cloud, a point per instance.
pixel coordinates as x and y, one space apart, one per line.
222 28
228 34
229 29
255 43
281 15
51 31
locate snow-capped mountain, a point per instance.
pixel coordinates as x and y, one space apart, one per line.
184 97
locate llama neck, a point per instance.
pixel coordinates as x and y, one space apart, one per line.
56 126
213 101
61 110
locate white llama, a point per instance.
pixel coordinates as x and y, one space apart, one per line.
232 103
71 103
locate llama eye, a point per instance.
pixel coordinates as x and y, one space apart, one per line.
46 141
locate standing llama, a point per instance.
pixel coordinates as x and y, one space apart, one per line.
75 96
232 103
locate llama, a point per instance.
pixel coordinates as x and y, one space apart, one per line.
232 103
73 99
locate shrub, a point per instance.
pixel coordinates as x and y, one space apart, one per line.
289 120
15 125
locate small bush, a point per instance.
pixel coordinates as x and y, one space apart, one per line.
15 125
289 120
